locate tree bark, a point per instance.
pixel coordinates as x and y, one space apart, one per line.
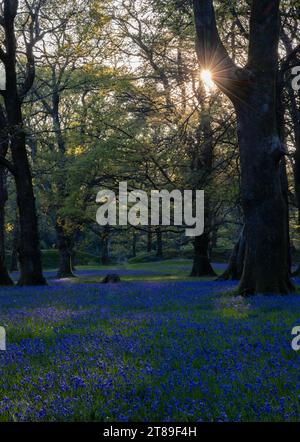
266 266
236 262
159 243
5 279
105 246
201 264
15 246
73 259
295 114
29 251
253 93
149 240
297 171
134 243
201 168
65 269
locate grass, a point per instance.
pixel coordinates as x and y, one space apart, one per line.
169 270
50 258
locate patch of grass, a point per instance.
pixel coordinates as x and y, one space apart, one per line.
50 259
169 270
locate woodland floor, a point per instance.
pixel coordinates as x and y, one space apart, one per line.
158 347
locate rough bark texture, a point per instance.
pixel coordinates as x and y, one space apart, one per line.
253 93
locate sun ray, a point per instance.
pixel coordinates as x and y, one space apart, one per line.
206 77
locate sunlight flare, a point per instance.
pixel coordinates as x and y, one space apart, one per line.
206 77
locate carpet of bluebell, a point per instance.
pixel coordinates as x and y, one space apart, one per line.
148 351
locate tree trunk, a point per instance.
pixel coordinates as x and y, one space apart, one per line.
266 267
252 90
296 120
149 240
295 114
14 259
201 265
134 243
213 241
29 251
15 246
4 276
105 246
201 168
159 243
65 269
5 279
236 262
73 259
291 59
13 267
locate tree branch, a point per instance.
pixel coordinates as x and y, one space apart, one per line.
238 22
212 54
2 55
